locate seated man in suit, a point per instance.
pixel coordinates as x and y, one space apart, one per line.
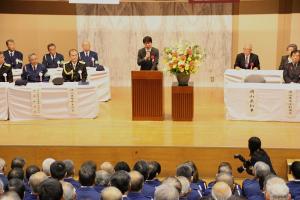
12 56
294 185
291 73
70 174
90 57
5 70
287 58
87 177
34 71
52 59
247 59
137 182
148 56
74 70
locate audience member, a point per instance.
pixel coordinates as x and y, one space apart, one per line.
50 189
102 180
294 186
58 170
46 166
70 172
87 175
136 182
122 166
69 192
121 180
111 193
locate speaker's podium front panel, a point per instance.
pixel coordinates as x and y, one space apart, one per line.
147 95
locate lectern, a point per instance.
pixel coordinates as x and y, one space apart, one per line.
147 95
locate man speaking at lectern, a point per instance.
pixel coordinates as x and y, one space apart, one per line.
148 56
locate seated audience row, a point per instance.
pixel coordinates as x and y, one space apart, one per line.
56 180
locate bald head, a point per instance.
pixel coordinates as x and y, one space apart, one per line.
36 179
136 181
111 193
166 192
69 191
221 191
108 167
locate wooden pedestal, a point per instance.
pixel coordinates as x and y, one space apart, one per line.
182 102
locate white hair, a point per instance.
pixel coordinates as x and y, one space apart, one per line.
46 165
221 191
166 192
185 185
11 195
261 169
2 164
277 189
69 191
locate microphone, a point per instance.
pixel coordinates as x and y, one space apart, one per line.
80 74
5 77
93 60
58 64
41 76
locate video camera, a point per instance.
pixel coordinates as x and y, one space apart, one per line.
246 164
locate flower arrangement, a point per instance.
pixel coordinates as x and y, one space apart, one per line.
183 58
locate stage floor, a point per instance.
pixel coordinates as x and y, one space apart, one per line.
114 127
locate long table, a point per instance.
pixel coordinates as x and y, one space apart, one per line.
100 78
3 101
238 76
262 102
47 101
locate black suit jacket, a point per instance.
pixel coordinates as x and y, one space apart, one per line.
16 61
283 62
49 63
253 61
6 68
291 73
150 64
72 75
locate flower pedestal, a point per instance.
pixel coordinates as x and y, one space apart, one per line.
182 102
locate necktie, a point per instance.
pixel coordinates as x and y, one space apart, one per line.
10 54
86 54
52 58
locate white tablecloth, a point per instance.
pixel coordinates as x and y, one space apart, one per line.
47 101
238 76
100 78
262 102
3 101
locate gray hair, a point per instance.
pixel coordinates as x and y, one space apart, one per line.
185 185
221 191
69 191
31 54
2 164
277 189
166 192
102 178
46 165
261 169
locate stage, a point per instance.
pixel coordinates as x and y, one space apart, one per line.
113 136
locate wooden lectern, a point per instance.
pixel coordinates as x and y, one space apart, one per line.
182 102
147 95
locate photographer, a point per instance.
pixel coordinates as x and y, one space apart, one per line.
256 154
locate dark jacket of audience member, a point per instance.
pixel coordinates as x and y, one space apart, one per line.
87 176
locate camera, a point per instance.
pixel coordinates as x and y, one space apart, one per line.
246 164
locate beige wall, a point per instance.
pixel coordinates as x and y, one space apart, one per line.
33 32
295 28
269 33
